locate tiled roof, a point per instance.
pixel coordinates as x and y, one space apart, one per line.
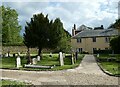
96 33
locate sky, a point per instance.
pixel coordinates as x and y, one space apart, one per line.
92 13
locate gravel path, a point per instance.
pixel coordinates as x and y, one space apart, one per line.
88 73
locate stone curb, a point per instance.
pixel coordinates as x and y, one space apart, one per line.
105 71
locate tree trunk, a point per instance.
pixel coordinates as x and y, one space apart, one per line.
39 52
29 61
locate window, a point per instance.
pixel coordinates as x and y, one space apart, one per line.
79 40
79 49
107 39
94 39
94 49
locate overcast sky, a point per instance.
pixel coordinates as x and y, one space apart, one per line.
92 13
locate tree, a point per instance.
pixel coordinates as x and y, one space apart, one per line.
114 43
116 24
11 28
42 33
59 36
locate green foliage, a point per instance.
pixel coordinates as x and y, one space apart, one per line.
116 24
9 83
60 37
114 43
10 26
42 33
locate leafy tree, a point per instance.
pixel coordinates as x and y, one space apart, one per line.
42 33
116 24
59 36
11 28
114 43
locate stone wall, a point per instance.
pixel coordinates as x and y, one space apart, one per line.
15 49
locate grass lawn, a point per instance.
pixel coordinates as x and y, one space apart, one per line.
8 83
10 63
111 66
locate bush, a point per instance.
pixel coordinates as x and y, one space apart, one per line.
102 52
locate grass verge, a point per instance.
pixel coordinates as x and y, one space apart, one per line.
110 63
9 83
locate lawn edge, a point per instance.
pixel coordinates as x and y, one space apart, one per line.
104 70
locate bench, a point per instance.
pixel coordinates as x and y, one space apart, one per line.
38 66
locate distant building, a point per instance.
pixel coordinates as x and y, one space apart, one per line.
87 39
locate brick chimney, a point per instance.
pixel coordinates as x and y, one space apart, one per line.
73 30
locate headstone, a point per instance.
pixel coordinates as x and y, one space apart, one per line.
98 55
38 58
63 55
6 55
61 59
34 61
72 58
18 60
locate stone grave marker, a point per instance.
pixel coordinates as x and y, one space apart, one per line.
34 61
6 55
98 55
63 55
72 58
18 60
38 58
61 59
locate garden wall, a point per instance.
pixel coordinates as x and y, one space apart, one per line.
22 49
15 49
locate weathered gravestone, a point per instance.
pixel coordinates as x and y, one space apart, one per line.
6 55
38 58
72 58
63 55
98 55
34 61
61 59
18 60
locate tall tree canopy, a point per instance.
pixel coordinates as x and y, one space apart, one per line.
42 33
11 28
114 43
116 24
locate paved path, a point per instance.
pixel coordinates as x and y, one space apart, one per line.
88 73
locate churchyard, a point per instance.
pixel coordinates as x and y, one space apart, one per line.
110 63
49 61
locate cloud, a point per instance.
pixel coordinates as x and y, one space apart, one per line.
91 13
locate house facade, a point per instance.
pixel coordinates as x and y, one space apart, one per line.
86 39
